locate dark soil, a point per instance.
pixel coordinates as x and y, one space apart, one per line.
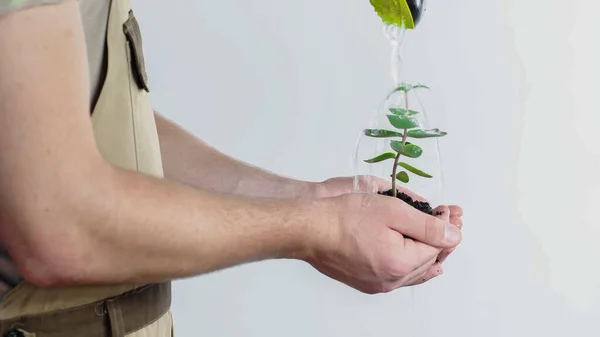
422 206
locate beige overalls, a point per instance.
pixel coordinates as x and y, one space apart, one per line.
126 135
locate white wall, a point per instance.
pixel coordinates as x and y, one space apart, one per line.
516 85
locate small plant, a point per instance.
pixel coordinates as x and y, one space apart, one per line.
405 122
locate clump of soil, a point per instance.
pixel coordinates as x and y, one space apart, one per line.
422 206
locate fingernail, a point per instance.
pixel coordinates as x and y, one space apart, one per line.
452 235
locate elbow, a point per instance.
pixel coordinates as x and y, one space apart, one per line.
49 269
53 241
58 257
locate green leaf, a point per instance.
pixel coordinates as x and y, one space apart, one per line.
403 112
408 87
402 122
408 150
426 133
380 133
414 170
381 157
419 86
394 12
403 177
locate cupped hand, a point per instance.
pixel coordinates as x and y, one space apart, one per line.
451 214
364 244
369 184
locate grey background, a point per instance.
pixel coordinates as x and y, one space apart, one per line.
515 83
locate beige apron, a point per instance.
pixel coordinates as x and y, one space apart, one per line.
126 135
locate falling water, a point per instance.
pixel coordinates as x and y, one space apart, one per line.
395 35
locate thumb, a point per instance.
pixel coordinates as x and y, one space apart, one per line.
434 230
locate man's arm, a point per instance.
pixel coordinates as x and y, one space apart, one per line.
69 217
189 160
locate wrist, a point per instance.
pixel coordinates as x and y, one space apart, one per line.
313 222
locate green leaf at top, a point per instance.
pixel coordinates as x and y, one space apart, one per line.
403 177
402 122
381 157
408 150
380 133
403 112
419 86
414 170
405 87
426 133
394 12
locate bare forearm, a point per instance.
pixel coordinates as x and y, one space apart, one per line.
69 217
189 160
137 229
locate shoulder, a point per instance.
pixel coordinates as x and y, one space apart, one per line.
9 6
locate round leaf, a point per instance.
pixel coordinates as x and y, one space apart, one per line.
402 122
380 133
414 170
381 157
403 177
426 133
403 112
408 150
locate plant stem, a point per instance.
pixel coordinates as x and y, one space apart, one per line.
404 137
394 190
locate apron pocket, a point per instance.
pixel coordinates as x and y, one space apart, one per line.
133 34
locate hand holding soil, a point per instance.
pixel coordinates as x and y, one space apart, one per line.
365 247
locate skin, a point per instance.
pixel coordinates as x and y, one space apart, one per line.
68 217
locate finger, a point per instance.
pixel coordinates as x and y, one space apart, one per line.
456 210
419 257
433 272
444 254
416 274
455 220
428 229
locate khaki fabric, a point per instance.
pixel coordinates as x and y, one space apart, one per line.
126 135
94 15
161 328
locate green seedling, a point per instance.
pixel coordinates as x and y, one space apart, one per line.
405 124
